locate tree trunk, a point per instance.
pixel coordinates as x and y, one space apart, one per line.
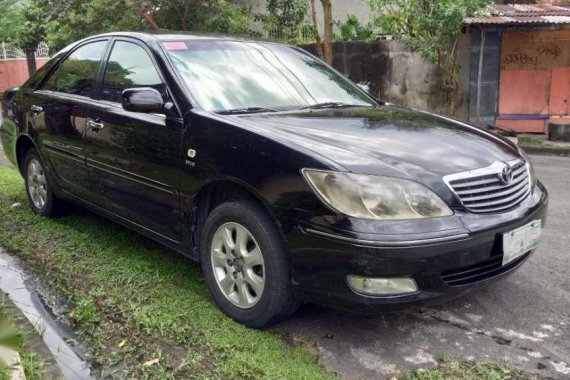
328 34
184 21
148 18
145 11
31 59
319 43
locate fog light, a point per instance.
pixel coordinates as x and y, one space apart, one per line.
382 286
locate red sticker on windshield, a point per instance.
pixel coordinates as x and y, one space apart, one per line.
174 45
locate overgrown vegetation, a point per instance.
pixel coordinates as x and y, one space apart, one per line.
11 21
354 30
430 28
61 22
288 17
143 310
452 369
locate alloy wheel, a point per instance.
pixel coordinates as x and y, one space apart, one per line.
37 184
237 263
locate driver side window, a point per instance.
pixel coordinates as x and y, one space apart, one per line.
129 66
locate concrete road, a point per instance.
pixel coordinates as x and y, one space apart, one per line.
523 320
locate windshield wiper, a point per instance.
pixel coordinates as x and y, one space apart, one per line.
246 110
330 105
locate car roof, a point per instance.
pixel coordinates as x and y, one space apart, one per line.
181 36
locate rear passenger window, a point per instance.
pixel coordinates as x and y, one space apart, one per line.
77 74
129 67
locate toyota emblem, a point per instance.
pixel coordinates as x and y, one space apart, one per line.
506 175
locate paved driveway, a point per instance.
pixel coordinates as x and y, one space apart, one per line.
523 320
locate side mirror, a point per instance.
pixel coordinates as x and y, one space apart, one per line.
142 99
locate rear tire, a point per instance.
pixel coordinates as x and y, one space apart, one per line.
38 186
245 264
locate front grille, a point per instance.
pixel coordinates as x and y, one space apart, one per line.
480 271
483 191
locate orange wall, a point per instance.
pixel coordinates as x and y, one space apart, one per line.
535 78
14 72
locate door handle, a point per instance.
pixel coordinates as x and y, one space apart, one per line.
95 126
36 109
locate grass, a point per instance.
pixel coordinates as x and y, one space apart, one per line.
143 311
451 369
11 336
530 141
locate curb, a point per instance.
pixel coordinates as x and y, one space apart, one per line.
12 360
546 150
35 343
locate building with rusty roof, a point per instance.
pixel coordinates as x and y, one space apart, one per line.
520 66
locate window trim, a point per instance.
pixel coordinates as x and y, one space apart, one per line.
56 69
107 56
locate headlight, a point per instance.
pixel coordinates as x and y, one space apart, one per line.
373 197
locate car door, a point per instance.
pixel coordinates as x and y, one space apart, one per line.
58 112
133 158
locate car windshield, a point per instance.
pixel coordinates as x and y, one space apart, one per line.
234 76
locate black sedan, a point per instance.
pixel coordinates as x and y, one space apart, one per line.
285 180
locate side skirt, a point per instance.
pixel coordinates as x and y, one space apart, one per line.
178 246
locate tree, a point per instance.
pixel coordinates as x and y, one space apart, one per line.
11 20
325 44
32 34
429 28
287 16
353 30
22 25
60 22
69 20
328 31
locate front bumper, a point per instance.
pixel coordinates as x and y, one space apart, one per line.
444 265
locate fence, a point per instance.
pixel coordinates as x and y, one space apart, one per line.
305 34
14 66
9 51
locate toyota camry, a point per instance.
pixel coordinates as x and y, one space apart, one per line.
286 181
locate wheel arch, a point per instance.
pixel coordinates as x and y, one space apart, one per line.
23 144
217 192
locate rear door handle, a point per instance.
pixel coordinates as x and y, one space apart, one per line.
36 109
95 125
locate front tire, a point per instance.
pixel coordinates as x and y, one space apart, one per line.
38 187
245 264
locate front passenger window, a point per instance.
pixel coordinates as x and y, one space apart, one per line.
129 66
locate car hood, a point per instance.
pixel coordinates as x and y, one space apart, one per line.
388 140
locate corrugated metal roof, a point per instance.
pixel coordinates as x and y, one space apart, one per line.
522 14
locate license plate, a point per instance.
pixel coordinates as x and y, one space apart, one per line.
521 240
